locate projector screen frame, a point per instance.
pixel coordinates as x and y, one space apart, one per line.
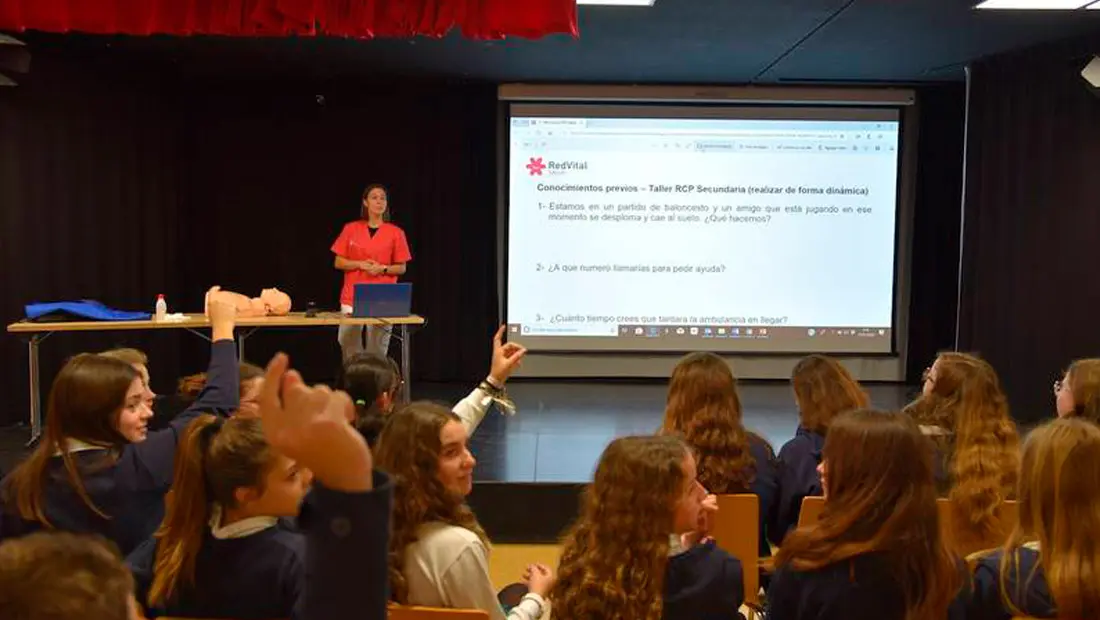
634 363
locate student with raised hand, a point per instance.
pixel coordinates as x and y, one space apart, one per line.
964 412
876 553
374 382
1077 393
617 561
98 469
705 409
1050 566
823 389
438 552
220 552
50 576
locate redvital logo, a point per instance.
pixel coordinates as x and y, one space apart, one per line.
536 166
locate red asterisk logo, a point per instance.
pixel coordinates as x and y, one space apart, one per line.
535 166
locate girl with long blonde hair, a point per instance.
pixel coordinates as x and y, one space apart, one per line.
704 408
616 562
964 411
876 551
1050 566
439 554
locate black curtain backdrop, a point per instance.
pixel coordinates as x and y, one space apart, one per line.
934 265
120 180
1032 220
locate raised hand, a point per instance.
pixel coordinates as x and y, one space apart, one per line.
507 357
309 425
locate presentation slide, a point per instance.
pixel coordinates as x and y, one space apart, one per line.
656 229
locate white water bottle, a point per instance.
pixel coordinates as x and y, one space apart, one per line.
162 308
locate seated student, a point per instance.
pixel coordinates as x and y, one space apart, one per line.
140 362
1050 566
438 551
374 383
1077 394
963 410
617 561
823 389
219 552
252 379
61 576
98 469
705 409
876 552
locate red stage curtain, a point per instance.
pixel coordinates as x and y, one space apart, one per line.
477 19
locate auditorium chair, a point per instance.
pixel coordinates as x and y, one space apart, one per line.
408 612
737 531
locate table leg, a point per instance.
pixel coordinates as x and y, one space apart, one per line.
36 405
406 362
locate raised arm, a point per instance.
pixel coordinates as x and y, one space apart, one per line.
152 461
347 528
506 359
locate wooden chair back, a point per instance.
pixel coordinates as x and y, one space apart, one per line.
410 612
737 531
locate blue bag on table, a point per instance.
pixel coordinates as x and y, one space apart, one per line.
84 310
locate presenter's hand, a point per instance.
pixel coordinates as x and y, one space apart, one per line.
374 268
506 358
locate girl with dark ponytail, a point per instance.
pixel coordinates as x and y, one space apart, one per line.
220 552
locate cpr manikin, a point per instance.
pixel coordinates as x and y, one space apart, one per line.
271 302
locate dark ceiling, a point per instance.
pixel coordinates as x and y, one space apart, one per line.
676 41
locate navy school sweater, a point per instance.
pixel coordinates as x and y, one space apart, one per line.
1029 594
861 588
703 583
798 478
765 485
335 569
128 485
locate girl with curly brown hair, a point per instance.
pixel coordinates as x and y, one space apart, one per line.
823 389
704 408
438 552
964 411
616 562
876 552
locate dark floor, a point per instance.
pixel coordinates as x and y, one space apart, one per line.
562 428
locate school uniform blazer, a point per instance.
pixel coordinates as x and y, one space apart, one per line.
703 583
128 485
335 568
798 478
861 588
1025 583
765 485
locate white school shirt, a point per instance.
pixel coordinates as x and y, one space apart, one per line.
448 566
